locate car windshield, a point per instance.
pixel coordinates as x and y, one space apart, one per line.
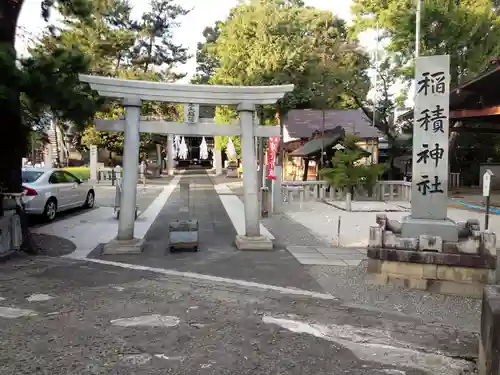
31 176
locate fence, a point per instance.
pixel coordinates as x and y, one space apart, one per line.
112 174
108 174
320 190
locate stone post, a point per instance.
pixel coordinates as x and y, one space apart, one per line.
429 195
93 162
276 190
158 159
218 161
170 154
50 157
130 163
252 240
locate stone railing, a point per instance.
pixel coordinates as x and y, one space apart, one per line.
453 180
108 174
303 191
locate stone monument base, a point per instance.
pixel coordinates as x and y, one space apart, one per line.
253 243
115 247
446 229
460 263
489 345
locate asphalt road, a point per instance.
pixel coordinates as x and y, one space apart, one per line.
85 318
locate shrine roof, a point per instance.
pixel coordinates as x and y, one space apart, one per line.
483 87
302 123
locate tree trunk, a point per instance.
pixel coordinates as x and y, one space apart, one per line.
13 143
306 169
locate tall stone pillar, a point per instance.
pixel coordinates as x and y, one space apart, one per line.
93 162
170 155
252 240
49 160
429 196
125 241
217 161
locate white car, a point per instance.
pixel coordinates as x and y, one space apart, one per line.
51 190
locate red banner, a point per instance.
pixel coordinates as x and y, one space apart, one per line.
272 150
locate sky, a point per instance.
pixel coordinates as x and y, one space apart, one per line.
189 33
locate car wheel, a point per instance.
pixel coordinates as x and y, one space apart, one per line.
90 200
50 211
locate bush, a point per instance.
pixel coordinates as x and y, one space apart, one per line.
83 173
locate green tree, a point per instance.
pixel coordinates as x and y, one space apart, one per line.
37 84
154 47
381 112
111 40
346 171
467 30
105 36
273 42
206 58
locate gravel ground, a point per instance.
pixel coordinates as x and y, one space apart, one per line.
351 284
91 319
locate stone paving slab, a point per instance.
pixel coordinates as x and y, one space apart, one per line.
327 256
322 220
217 254
374 206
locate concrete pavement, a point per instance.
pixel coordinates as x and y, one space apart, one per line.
61 316
224 311
217 254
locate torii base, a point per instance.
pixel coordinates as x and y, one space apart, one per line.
253 243
115 247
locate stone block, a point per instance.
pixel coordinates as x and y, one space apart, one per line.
446 229
394 226
452 288
407 243
389 240
488 243
374 266
463 229
415 270
465 274
450 247
430 243
253 243
469 246
375 239
408 282
114 247
489 344
427 257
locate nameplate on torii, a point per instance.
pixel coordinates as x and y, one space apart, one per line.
187 129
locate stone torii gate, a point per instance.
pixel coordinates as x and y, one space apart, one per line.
133 93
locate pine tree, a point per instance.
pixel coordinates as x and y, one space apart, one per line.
154 48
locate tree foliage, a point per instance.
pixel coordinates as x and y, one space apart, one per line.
467 30
153 46
207 61
274 42
30 86
346 171
115 45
